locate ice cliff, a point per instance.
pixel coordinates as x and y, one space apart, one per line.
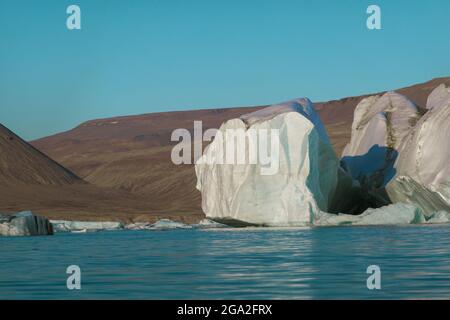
302 184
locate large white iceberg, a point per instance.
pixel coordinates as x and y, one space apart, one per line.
422 167
302 185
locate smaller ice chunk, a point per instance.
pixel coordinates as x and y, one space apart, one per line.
87 226
24 224
209 224
394 214
138 226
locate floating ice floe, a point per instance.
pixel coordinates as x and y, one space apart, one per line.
24 224
422 167
85 226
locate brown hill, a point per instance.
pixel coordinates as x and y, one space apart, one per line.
21 163
29 180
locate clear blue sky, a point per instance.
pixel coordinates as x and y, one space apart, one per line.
136 57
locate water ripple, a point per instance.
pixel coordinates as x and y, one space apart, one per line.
294 263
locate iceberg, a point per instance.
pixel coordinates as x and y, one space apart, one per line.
303 184
24 224
422 167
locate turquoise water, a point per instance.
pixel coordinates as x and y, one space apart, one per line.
318 263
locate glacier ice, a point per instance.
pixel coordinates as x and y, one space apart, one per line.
167 224
380 125
439 97
24 224
381 120
138 226
422 167
164 224
303 185
85 226
209 224
394 214
399 153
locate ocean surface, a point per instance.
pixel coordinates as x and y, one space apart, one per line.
309 263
